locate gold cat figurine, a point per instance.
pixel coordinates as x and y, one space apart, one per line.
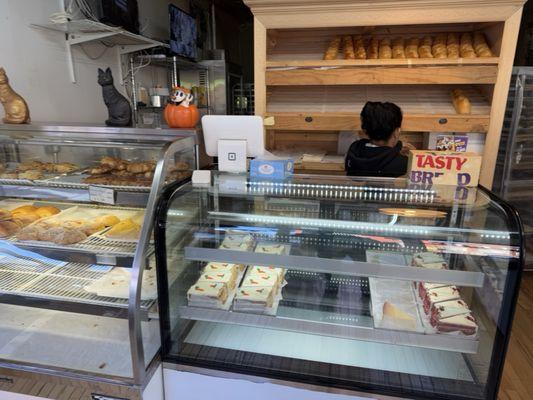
16 109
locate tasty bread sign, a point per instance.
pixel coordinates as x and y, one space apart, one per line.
444 167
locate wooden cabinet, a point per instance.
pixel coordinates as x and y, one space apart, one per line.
310 99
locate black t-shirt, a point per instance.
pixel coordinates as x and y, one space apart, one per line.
363 159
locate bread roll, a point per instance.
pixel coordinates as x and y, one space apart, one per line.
411 49
359 47
108 220
347 48
385 50
8 228
126 229
140 167
31 233
481 46
47 211
452 45
439 49
92 227
333 49
4 214
466 47
398 48
460 102
373 49
424 51
24 209
26 218
64 168
62 236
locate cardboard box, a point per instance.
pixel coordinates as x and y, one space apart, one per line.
271 169
444 167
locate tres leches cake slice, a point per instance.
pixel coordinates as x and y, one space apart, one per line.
217 268
239 242
278 273
438 295
429 260
278 249
207 292
261 280
225 278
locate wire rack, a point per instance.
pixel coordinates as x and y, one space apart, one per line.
60 283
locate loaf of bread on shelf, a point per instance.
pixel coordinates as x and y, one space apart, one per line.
359 47
373 49
347 48
411 47
125 229
333 49
461 103
481 46
439 48
466 47
385 50
398 48
108 220
424 51
452 45
47 211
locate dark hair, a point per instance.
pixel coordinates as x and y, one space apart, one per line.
380 120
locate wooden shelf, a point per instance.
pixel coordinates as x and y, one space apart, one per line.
318 62
383 75
337 108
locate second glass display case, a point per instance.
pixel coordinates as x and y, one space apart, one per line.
370 285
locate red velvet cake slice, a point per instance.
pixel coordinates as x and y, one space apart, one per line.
438 295
448 309
465 323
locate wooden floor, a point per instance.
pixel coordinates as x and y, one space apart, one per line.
517 382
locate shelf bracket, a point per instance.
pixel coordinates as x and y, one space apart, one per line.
127 49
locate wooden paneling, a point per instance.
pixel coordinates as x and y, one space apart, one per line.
260 48
383 76
317 62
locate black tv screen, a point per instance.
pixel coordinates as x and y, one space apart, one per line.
183 33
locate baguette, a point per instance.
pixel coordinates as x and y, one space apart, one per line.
460 102
333 49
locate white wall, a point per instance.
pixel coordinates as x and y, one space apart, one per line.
35 61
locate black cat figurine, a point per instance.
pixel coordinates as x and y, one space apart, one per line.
118 106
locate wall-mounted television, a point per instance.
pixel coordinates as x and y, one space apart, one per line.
183 33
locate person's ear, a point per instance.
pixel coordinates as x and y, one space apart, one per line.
397 133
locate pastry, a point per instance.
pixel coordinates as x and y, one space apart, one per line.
359 47
208 292
73 224
92 227
398 48
181 166
63 236
255 296
438 295
140 167
481 46
373 49
47 211
411 48
466 47
8 228
465 323
31 165
333 49
33 232
438 48
113 163
460 102
385 50
10 175
452 45
30 175
347 48
125 229
108 220
24 209
99 170
227 278
26 218
395 318
4 214
424 51
64 168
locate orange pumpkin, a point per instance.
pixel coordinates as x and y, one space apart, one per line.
178 116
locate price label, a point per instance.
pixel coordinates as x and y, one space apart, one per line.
102 195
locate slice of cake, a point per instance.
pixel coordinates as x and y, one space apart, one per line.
217 268
279 273
424 287
429 260
394 318
438 295
465 323
278 249
207 293
448 309
239 242
225 278
261 280
254 298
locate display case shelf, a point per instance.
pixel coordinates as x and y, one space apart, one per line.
365 333
337 266
425 108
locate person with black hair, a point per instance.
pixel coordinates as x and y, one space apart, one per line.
381 153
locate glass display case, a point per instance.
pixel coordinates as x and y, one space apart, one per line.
77 265
372 285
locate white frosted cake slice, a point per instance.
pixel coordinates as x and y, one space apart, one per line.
279 273
465 323
237 241
217 268
429 260
261 280
424 287
207 293
254 297
225 278
448 309
438 295
278 249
